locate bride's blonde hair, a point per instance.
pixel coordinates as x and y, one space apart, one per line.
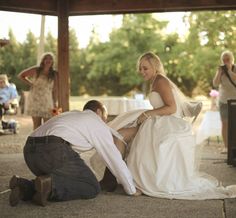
189 109
154 60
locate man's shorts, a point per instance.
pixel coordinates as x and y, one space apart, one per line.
223 111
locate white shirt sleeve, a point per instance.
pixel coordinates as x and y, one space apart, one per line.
103 142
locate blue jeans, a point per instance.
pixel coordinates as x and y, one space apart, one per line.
71 177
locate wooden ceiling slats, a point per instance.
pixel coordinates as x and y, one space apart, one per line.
47 7
86 7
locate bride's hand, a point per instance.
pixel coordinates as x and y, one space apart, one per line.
137 193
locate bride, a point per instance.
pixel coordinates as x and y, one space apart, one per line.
162 153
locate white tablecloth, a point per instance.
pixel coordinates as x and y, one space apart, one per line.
115 105
209 127
119 105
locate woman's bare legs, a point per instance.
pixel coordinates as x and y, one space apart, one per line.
37 121
45 119
128 134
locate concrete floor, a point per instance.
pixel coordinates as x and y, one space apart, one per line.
116 204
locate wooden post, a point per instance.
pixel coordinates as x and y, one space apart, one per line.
41 40
63 55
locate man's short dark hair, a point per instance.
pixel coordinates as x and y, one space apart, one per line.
93 105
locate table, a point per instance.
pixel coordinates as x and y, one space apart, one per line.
117 106
209 127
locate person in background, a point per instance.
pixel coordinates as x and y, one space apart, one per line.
43 82
225 78
8 94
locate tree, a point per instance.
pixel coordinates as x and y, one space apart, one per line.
113 63
210 34
74 64
11 58
29 50
215 28
51 45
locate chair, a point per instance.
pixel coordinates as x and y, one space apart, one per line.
196 110
192 110
13 109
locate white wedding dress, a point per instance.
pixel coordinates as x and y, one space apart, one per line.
162 157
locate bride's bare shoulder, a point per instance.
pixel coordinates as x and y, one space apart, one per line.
160 82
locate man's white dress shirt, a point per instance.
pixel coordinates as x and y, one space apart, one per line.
85 130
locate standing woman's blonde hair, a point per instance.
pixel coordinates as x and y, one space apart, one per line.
154 60
228 54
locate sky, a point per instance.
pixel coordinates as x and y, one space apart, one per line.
22 23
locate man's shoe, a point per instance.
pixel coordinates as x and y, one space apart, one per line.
21 189
43 187
15 196
108 182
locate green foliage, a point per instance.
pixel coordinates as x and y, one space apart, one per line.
210 33
74 63
216 28
11 58
113 64
51 45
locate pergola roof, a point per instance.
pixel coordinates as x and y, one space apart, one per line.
65 8
89 7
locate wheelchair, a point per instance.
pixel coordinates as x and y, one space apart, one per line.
10 126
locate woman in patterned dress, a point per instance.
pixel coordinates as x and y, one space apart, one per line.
43 80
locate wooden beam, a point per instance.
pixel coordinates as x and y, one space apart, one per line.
3 42
46 7
86 7
63 54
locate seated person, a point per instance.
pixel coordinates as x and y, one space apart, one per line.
8 94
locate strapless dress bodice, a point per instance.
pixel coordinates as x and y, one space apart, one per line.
157 102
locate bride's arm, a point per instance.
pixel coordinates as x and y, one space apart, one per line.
163 87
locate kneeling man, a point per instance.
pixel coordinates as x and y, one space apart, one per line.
52 154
